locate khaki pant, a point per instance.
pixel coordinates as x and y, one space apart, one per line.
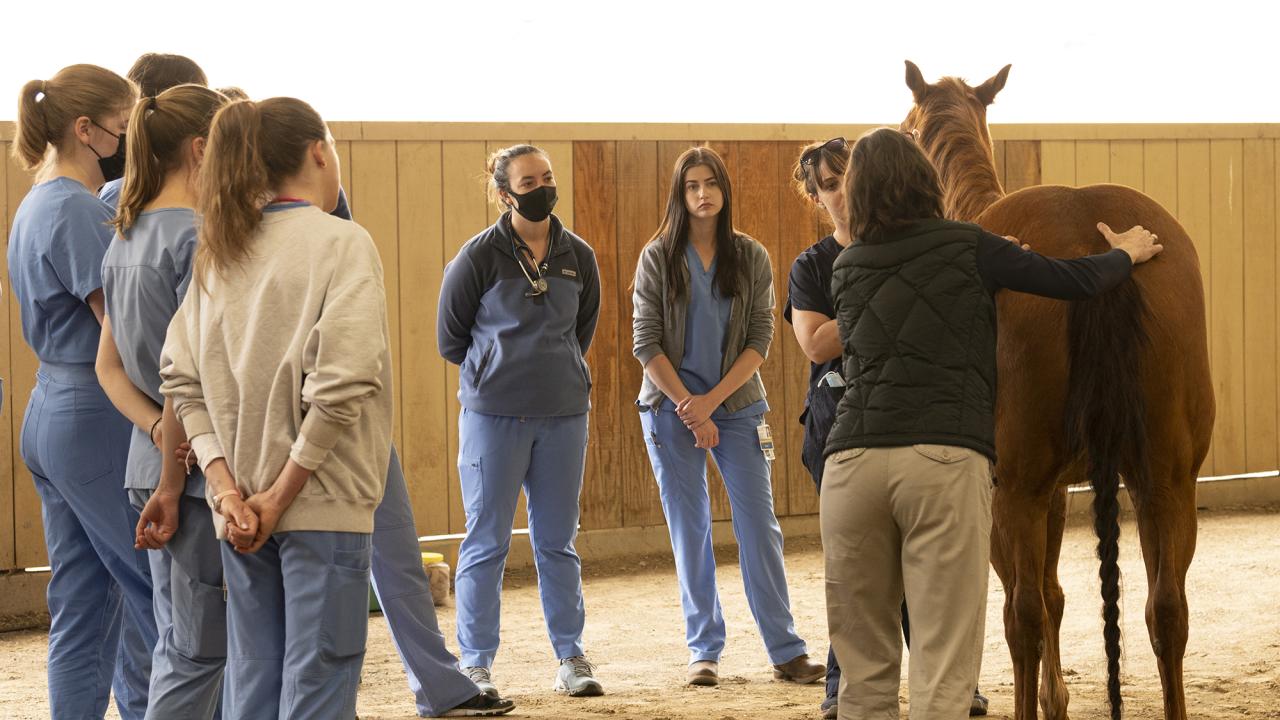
913 520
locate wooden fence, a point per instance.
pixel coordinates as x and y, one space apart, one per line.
418 189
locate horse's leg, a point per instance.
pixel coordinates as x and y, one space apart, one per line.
1053 690
1166 512
1018 530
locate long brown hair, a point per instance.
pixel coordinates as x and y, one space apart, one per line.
889 184
253 148
156 72
673 234
47 108
158 130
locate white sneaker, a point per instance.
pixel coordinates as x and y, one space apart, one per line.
576 677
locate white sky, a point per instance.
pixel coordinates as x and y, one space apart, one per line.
797 61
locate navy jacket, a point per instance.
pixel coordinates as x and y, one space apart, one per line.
520 356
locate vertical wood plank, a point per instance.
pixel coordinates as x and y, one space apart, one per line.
1126 163
638 215
1227 306
799 227
1259 158
761 176
595 182
374 206
1058 162
424 403
464 215
8 555
344 162
1021 164
28 530
1195 209
1160 172
1093 162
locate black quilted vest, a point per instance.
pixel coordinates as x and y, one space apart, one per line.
918 329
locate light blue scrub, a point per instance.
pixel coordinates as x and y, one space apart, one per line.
297 620
76 445
681 470
145 276
499 455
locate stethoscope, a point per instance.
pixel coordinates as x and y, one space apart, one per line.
537 283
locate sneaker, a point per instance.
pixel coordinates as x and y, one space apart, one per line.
704 673
979 704
799 670
483 680
482 705
576 677
831 707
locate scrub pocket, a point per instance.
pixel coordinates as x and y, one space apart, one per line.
345 623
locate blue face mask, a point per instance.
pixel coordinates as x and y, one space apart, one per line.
112 165
536 204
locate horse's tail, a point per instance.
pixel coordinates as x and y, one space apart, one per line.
1105 424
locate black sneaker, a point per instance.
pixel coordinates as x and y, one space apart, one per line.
979 704
482 705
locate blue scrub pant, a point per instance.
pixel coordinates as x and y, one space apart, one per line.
681 470
497 456
297 621
102 628
404 594
187 665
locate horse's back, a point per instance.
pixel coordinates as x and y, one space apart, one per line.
1062 222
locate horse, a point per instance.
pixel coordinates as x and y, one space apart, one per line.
1096 390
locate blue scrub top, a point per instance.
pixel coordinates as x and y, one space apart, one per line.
144 279
56 245
706 322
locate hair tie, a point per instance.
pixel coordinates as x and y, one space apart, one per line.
152 104
40 91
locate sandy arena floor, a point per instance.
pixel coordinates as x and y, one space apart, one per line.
635 635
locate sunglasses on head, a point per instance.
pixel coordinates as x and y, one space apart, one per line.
810 157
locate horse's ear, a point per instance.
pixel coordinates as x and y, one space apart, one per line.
986 92
916 82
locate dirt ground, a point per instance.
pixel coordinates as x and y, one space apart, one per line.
635 635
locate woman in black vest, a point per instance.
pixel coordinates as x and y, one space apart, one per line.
906 490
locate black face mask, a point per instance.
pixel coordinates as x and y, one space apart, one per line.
536 204
112 165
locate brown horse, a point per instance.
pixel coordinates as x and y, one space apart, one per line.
1089 391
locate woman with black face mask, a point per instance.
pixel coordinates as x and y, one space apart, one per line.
102 629
518 308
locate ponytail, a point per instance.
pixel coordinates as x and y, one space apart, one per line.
47 108
159 130
33 130
253 148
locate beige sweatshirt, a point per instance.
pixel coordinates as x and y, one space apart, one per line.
287 356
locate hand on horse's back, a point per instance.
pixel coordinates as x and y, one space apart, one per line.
1137 241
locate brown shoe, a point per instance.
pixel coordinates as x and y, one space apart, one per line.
705 673
799 670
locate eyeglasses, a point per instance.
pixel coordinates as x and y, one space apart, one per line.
810 157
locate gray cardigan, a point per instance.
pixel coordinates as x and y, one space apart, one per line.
658 326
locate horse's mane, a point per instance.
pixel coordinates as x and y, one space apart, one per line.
955 139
